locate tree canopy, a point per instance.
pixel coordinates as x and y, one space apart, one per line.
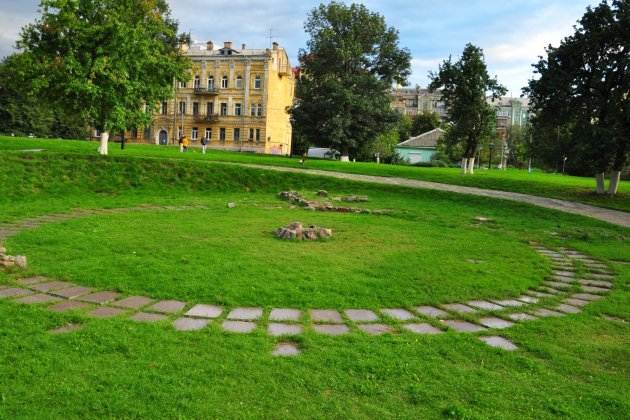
351 61
109 61
424 122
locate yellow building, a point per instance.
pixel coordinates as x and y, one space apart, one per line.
238 99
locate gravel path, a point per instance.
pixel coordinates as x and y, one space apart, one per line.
615 217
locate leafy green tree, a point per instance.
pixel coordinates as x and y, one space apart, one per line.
109 61
424 122
405 125
584 82
465 85
351 61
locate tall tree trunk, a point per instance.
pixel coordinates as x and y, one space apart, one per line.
599 178
615 176
102 149
471 165
464 165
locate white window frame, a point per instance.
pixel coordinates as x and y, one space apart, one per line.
257 83
238 109
210 82
194 133
225 82
239 82
208 133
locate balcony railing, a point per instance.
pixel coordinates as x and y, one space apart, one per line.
206 91
206 118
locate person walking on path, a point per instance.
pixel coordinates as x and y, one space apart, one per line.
181 144
204 145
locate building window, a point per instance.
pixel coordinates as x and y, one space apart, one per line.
257 82
182 85
210 109
223 109
210 82
224 82
197 82
182 107
222 134
237 134
258 135
239 82
194 134
195 108
260 110
257 110
251 134
237 109
208 133
164 108
180 132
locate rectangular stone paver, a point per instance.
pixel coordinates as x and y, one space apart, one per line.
277 329
72 292
497 323
528 299
285 314
398 314
12 292
567 309
361 315
167 306
463 326
422 328
147 317
542 312
459 308
557 284
586 296
521 317
328 329
132 302
576 302
550 290
51 285
32 280
484 305
245 314
99 297
513 303
499 342
285 350
565 273
37 299
68 305
431 312
190 324
596 283
326 315
243 327
568 280
538 294
205 311
591 289
105 312
375 329
600 276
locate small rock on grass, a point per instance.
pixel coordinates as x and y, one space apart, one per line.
231 205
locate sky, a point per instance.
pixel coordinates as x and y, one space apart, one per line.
513 33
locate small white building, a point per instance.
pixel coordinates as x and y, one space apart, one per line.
420 149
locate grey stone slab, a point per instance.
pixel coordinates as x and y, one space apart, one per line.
147 317
496 323
69 305
278 329
205 311
38 299
105 312
245 314
66 329
484 305
361 315
538 294
331 329
285 314
12 292
499 342
398 314
545 313
241 327
99 297
586 296
422 328
551 290
511 303
567 309
564 273
521 317
32 280
133 302
190 324
463 326
72 292
598 290
285 350
326 315
459 308
431 312
576 302
375 329
596 283
167 306
557 285
51 285
562 279
528 299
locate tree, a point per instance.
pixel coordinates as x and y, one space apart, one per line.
109 61
465 85
351 61
424 122
405 126
584 83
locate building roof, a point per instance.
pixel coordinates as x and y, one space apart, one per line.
428 139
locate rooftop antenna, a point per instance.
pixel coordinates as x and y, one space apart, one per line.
270 36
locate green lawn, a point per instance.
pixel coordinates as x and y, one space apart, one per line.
575 366
570 188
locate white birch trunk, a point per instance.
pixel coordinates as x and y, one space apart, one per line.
103 149
464 166
615 177
471 165
599 179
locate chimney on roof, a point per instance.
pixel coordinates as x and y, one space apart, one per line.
210 45
227 45
275 46
243 47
